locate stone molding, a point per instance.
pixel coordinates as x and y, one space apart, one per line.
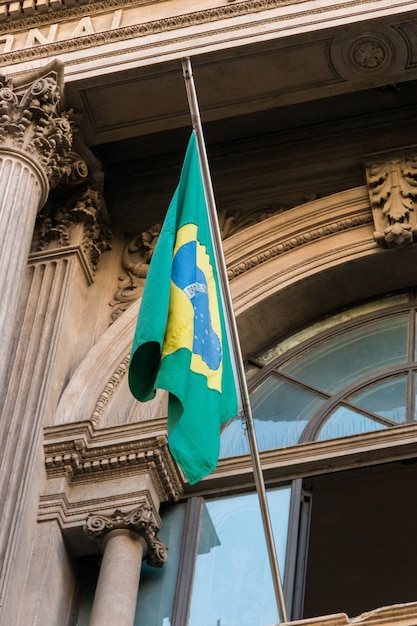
140 521
109 390
40 12
392 186
317 457
83 454
93 472
31 124
85 37
396 615
343 216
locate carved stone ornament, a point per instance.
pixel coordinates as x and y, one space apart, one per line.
135 263
392 185
368 53
140 521
137 255
76 223
30 123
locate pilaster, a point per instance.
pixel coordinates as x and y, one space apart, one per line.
42 303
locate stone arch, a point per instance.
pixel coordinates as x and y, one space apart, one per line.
284 271
98 390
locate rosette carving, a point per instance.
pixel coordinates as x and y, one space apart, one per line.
31 123
140 520
392 185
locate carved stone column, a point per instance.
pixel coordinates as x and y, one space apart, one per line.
125 538
41 308
69 242
35 142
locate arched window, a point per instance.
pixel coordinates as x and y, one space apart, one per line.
351 373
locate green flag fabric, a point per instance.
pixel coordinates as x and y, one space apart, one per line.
180 342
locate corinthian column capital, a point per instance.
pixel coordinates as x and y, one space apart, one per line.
31 123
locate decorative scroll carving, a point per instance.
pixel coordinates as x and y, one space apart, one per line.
31 123
135 263
76 223
392 185
231 222
140 520
138 253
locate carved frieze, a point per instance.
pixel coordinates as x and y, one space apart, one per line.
141 521
392 185
32 124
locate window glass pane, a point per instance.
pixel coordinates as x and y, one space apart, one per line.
157 585
329 322
340 360
280 413
388 399
232 580
344 422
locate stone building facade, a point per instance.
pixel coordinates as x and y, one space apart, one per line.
309 110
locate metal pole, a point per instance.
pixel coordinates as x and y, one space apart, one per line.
234 338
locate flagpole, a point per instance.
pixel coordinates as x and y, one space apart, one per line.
234 338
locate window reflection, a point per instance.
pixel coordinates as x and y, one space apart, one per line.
345 422
232 580
280 410
287 411
338 361
157 586
387 399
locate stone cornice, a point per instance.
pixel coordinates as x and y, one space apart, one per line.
83 454
276 11
283 465
44 12
396 615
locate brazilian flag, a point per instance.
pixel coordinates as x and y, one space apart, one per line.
180 342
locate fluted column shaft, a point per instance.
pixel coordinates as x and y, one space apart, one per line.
23 190
118 582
